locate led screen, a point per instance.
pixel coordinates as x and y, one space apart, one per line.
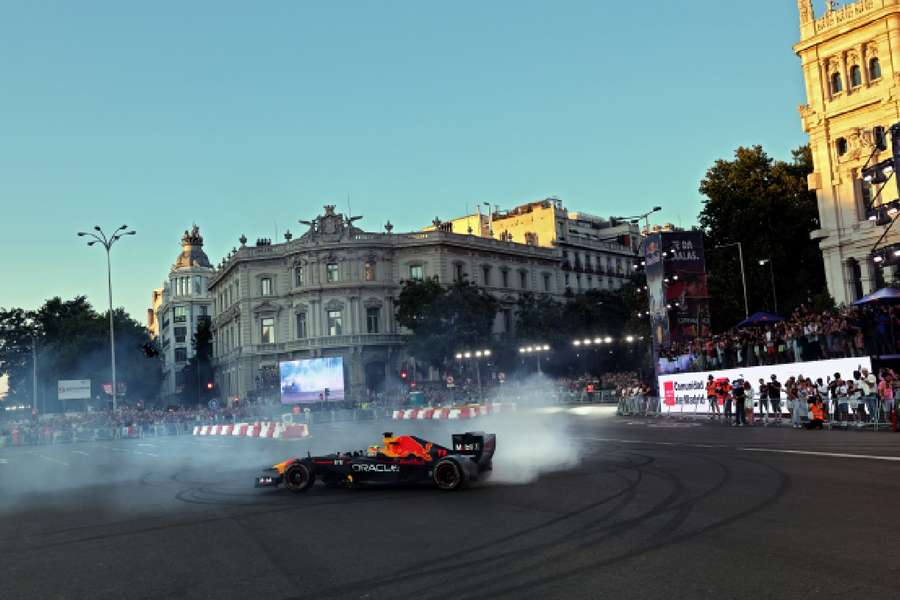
312 380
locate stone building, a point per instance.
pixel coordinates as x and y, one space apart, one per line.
595 253
180 307
853 97
331 292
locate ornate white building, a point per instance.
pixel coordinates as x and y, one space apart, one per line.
848 57
184 302
331 293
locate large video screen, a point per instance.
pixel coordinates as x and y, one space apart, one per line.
312 380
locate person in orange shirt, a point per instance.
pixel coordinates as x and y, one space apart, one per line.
712 396
816 413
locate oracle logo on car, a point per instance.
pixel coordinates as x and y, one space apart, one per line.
669 393
377 468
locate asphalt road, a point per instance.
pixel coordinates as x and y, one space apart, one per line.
581 506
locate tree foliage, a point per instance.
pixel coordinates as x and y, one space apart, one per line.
73 343
199 372
445 320
764 204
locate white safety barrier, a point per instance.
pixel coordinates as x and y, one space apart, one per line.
263 429
463 412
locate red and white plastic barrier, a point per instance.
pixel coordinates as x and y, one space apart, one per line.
263 429
463 412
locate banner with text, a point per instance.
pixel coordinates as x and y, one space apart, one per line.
73 389
686 392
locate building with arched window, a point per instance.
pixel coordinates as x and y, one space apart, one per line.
179 307
850 103
331 292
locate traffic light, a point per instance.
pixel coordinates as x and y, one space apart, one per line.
403 374
210 386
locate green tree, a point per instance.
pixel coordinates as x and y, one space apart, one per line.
764 204
444 320
73 343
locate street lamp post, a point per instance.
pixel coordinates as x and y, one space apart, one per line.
768 261
477 355
740 248
535 349
107 242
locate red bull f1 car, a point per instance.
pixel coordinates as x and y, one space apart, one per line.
402 459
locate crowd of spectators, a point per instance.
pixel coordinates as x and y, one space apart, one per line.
859 400
804 336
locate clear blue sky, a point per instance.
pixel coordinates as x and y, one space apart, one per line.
242 115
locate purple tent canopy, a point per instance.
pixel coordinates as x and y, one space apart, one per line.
759 318
882 296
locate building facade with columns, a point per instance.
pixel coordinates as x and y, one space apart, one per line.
331 292
179 307
848 56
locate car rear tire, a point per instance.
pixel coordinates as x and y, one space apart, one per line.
448 475
299 477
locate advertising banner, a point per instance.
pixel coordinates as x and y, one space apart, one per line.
312 380
686 392
73 389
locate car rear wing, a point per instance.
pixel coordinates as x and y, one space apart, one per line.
477 445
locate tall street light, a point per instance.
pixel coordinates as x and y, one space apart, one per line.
535 349
740 248
99 237
476 355
768 261
637 218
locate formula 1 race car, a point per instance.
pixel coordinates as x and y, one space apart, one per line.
402 459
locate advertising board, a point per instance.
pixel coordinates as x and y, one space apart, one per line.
312 380
686 392
73 389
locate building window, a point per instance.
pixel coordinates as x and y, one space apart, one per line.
878 138
204 310
334 323
331 273
180 354
369 271
841 146
523 280
855 76
265 285
416 272
267 330
504 276
180 333
180 314
546 282
874 69
507 320
298 276
301 326
372 319
486 274
836 85
458 273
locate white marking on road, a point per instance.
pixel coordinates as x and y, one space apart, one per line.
51 459
3 461
120 449
773 450
80 452
828 454
148 445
